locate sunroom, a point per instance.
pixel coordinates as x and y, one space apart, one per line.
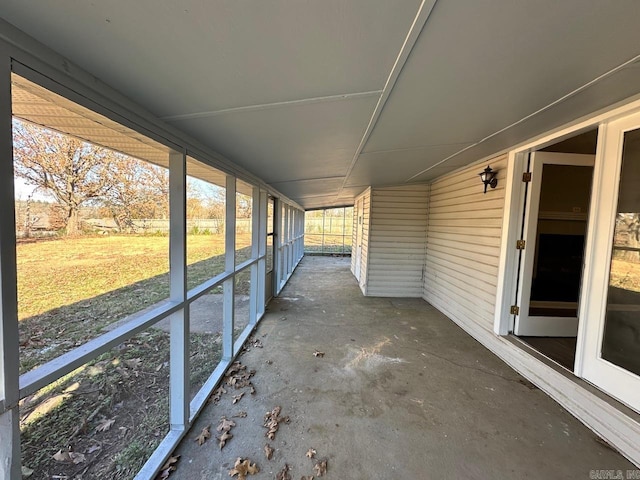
160 158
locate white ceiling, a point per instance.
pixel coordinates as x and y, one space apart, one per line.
322 98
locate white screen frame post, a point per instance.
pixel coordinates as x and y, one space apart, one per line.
9 334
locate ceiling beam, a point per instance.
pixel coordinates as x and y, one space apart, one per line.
266 106
426 7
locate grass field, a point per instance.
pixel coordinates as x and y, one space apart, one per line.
69 290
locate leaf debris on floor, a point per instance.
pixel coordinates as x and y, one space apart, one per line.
272 421
318 353
242 468
284 473
268 451
204 435
168 467
225 431
320 468
105 424
215 396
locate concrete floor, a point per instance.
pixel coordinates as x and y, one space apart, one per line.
401 392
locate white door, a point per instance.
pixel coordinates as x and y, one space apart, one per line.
554 231
358 216
609 339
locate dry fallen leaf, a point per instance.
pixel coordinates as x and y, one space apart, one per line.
204 435
311 453
268 451
236 398
240 414
105 424
62 456
168 467
284 473
67 456
318 353
225 425
320 468
215 396
223 439
242 468
272 421
310 477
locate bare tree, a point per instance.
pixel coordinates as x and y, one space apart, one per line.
72 171
139 190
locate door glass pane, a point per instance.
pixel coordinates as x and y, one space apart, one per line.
559 249
621 340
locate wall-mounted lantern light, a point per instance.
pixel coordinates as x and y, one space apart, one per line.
488 177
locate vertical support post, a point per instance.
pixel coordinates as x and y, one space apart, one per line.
277 242
262 252
178 322
344 226
284 245
229 266
9 335
286 241
256 235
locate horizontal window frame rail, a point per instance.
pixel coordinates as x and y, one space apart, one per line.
246 264
34 380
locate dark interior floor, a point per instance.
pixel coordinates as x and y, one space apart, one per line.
559 349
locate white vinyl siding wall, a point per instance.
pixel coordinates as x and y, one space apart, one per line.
396 251
463 244
364 240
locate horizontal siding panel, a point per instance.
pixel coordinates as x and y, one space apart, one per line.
463 244
484 291
464 256
461 259
493 251
466 214
417 199
397 241
392 234
468 222
458 311
438 264
489 204
397 281
474 299
480 232
470 239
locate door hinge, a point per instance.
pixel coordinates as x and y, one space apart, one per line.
526 177
515 310
520 244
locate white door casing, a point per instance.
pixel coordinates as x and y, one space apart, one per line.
358 216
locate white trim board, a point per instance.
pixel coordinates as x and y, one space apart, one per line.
615 426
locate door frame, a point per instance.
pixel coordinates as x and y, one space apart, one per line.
602 207
359 231
614 380
523 323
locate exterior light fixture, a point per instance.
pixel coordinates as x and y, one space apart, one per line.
488 177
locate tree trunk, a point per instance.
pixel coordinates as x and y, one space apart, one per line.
72 222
